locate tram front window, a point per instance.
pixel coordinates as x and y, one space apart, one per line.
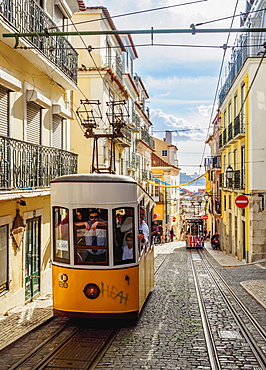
90 235
124 241
61 234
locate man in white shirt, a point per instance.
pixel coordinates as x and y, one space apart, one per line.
144 233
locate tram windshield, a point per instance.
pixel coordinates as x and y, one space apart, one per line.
91 235
124 240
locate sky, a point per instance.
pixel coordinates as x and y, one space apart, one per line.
181 81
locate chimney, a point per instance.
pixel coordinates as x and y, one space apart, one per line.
168 137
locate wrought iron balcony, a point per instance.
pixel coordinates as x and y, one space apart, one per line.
212 162
116 66
239 125
230 131
125 139
132 161
28 16
146 137
136 119
29 166
247 46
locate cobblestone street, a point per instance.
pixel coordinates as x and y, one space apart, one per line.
169 333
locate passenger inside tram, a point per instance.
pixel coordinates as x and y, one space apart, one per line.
91 230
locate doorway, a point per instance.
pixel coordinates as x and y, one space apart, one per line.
32 258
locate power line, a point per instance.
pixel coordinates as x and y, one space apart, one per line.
217 86
137 12
232 16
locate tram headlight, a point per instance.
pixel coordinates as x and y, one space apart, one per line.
91 291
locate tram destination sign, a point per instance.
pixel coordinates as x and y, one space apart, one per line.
241 201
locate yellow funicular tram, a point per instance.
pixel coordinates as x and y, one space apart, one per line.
100 266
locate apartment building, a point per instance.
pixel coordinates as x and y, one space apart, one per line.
37 75
165 171
242 142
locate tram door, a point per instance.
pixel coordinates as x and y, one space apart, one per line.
32 258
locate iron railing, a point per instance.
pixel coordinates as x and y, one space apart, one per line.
239 124
234 129
247 46
115 64
146 137
28 16
29 166
212 162
127 135
135 119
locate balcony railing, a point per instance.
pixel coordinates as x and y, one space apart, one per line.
237 182
146 137
212 162
135 119
115 64
28 16
234 130
239 124
230 131
247 46
28 166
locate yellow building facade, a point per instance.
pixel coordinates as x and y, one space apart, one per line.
165 171
242 143
36 79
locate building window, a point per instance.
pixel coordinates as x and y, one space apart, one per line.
34 119
164 153
224 202
4 111
57 132
3 258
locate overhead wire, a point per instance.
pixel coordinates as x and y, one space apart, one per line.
217 87
137 12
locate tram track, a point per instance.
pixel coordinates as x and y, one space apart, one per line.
74 345
226 322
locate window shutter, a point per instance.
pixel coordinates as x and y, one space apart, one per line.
4 111
57 132
33 123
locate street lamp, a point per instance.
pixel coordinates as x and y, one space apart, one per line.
229 173
206 196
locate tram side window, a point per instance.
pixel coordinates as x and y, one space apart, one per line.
61 234
124 239
90 236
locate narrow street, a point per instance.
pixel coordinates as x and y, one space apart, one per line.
185 324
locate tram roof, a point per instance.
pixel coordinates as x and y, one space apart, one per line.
91 177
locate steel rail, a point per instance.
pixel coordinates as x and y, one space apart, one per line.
217 278
249 315
38 348
211 348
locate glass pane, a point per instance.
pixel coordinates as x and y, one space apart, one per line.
3 257
124 244
91 230
61 234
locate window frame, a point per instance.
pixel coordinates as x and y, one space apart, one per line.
55 257
89 246
123 262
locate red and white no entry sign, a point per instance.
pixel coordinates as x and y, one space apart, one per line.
241 201
205 217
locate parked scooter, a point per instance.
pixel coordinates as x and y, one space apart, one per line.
215 243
